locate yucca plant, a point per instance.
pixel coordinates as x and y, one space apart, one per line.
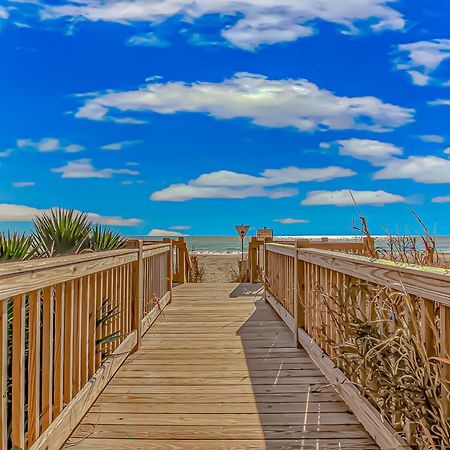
103 238
61 232
14 246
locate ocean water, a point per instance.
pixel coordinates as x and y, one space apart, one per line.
232 244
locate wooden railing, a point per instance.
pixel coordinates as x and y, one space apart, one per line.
301 283
181 265
66 326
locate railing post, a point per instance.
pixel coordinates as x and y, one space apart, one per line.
138 291
266 264
299 292
169 267
253 261
181 260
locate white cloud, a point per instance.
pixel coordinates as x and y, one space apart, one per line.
83 168
164 233
440 102
368 149
433 138
228 184
180 227
344 198
258 21
119 145
22 184
271 177
184 192
149 39
49 145
5 153
447 151
422 58
418 78
295 103
423 169
290 221
22 213
4 14
442 199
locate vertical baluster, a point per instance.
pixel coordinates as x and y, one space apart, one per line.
68 342
47 356
332 312
107 310
126 299
84 326
113 297
445 353
34 365
76 296
122 300
307 300
426 325
60 333
93 304
18 372
4 373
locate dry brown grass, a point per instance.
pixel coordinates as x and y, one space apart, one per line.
380 347
197 273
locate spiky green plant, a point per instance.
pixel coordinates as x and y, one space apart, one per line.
61 232
103 238
14 246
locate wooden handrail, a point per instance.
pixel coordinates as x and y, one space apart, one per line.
300 283
66 326
182 262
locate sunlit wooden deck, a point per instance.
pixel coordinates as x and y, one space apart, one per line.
219 370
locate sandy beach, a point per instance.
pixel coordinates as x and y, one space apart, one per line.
218 268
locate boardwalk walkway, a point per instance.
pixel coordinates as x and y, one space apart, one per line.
219 370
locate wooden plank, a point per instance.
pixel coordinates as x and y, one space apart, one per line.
445 353
4 374
199 419
229 432
281 249
155 251
18 372
235 444
383 434
47 356
60 308
238 407
34 366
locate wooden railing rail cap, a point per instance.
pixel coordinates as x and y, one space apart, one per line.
35 275
438 273
282 249
22 267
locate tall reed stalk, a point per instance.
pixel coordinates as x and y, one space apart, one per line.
381 348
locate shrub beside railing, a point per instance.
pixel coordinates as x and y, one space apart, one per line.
386 326
66 325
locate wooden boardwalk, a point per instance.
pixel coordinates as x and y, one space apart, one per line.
219 370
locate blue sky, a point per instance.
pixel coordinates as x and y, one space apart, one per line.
194 116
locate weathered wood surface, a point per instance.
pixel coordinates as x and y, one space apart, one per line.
219 370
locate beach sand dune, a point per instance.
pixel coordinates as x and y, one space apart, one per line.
218 268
